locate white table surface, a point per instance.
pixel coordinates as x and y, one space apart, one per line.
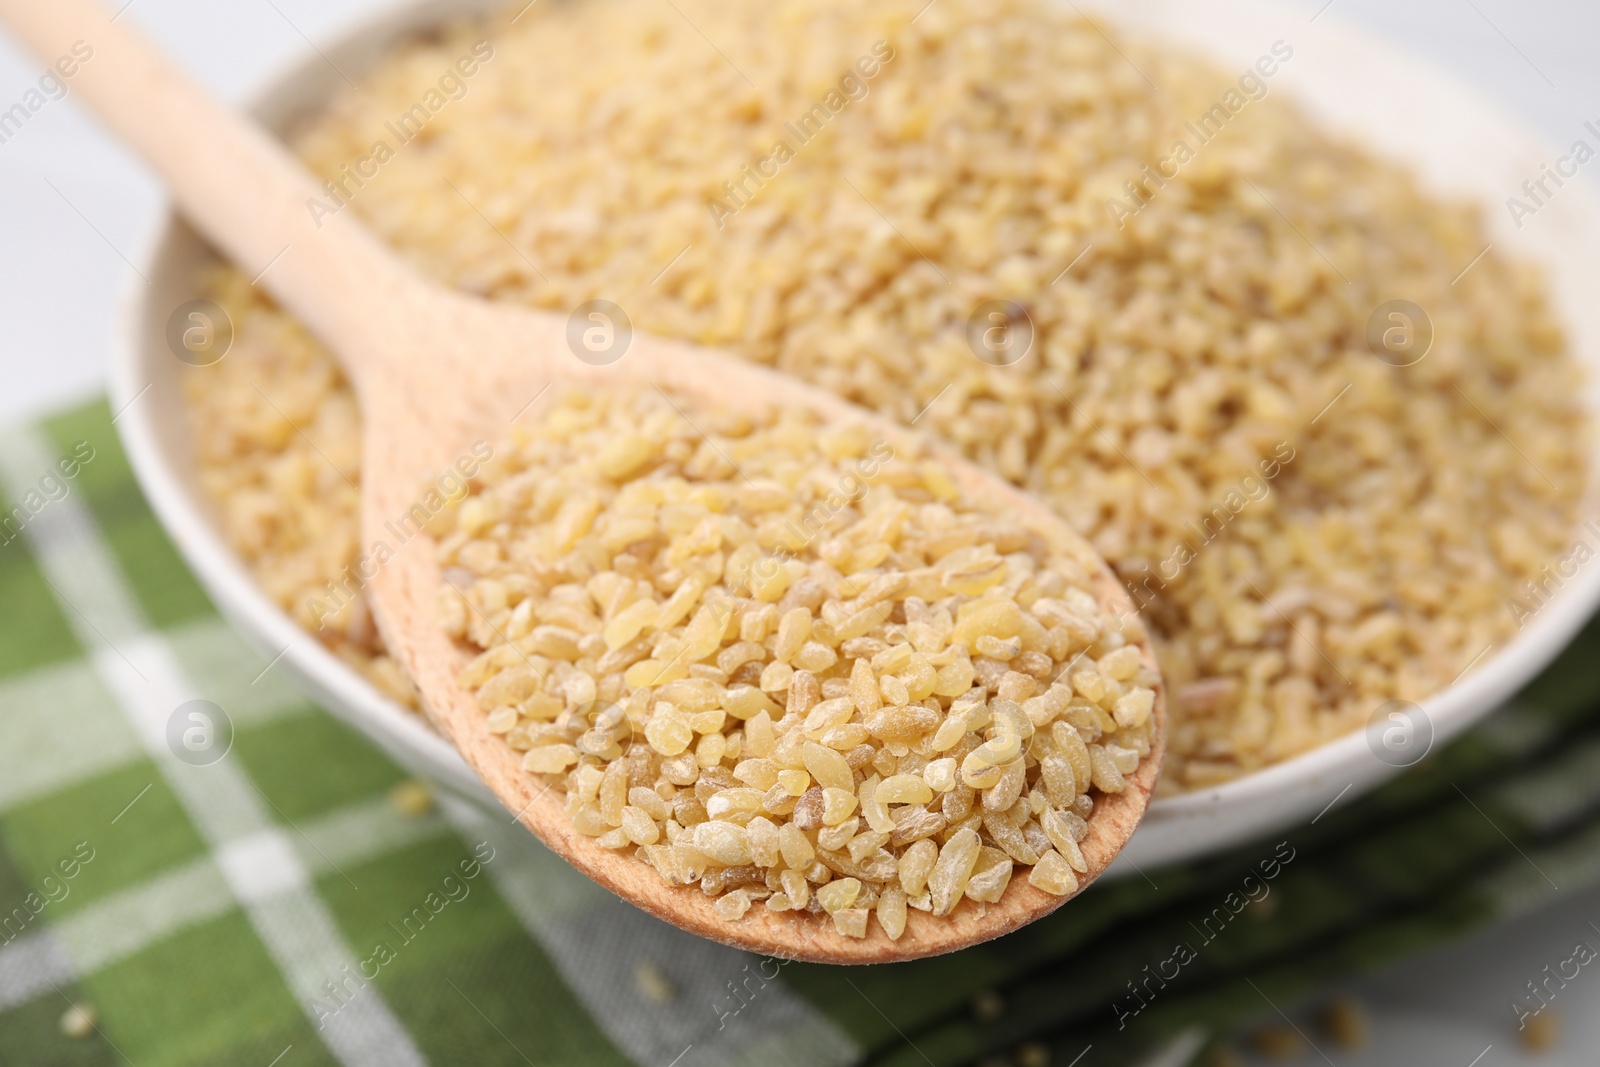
77 207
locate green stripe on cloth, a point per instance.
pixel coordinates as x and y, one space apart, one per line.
312 764
197 997
30 1033
440 944
230 909
45 636
73 830
167 591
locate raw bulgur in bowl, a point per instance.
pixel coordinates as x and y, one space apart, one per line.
1311 527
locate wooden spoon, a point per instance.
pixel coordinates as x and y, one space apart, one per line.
436 371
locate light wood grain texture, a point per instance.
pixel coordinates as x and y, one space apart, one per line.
437 371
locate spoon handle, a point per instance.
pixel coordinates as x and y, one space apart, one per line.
241 188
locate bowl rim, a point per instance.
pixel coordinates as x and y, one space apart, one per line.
1170 822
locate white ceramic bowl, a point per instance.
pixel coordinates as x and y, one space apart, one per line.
1377 95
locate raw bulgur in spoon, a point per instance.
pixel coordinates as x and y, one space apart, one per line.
781 661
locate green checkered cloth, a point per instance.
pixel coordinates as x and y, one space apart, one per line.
291 903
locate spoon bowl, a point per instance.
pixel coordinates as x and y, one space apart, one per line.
436 371
403 595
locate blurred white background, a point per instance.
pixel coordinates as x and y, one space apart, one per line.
76 209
